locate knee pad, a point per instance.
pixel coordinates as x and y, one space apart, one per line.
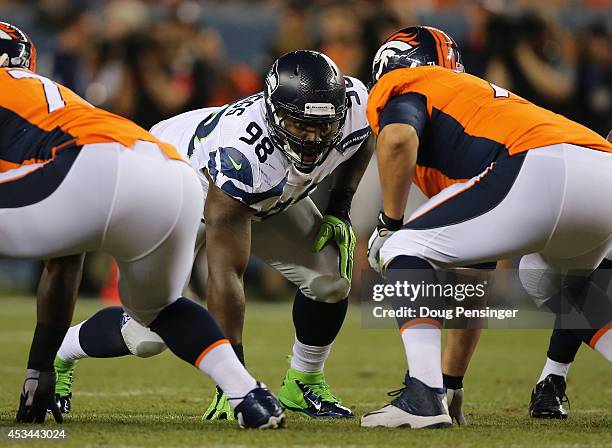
139 340
537 285
328 289
537 278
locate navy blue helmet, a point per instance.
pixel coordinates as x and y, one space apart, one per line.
305 102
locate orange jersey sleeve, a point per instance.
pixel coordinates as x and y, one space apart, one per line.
483 110
58 117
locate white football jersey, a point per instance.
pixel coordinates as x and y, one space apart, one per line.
233 144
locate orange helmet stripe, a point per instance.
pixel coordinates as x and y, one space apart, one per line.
404 37
32 57
448 56
439 47
449 41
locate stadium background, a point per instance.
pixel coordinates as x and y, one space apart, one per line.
149 60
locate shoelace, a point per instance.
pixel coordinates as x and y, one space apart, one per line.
563 398
395 393
322 390
64 380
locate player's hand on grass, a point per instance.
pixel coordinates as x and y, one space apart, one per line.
38 396
454 398
385 228
219 408
341 232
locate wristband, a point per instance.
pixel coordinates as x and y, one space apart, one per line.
339 204
389 223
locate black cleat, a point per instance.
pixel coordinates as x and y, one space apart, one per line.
259 409
63 403
547 398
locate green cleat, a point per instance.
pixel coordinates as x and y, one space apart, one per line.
64 376
219 408
309 393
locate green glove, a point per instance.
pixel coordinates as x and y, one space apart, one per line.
342 233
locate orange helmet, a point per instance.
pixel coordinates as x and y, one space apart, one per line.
16 48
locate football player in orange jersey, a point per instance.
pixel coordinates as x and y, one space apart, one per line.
74 178
505 178
548 395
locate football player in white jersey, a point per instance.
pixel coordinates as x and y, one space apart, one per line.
258 159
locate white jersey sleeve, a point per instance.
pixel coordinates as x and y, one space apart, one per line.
356 128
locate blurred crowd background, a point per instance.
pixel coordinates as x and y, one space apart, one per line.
152 59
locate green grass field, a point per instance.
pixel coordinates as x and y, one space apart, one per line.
158 401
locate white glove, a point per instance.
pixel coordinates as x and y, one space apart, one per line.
454 397
385 228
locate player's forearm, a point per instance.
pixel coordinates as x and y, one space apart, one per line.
225 291
226 303
346 180
57 293
58 289
228 246
396 152
348 175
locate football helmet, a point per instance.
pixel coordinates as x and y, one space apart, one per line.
305 107
416 46
16 48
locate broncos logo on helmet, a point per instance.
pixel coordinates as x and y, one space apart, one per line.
390 54
416 46
16 48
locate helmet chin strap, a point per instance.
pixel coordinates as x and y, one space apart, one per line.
3 58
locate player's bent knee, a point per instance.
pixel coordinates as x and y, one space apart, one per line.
329 288
141 341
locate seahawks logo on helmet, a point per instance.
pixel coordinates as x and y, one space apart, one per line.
272 78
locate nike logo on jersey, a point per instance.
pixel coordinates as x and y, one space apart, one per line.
237 166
